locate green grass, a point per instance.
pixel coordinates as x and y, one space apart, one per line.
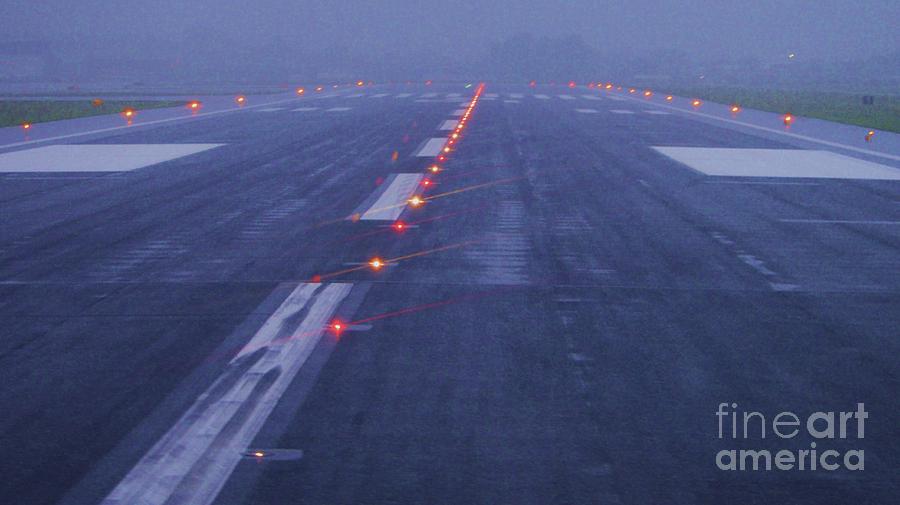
832 106
16 112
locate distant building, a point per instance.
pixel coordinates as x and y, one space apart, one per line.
22 61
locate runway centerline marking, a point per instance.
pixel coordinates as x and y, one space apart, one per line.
399 188
621 111
431 147
586 111
448 125
192 461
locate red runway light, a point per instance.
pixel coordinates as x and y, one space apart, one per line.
426 182
194 105
442 158
434 169
400 226
571 84
337 326
788 119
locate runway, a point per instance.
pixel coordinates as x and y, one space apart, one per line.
588 276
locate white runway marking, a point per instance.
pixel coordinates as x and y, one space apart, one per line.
356 95
404 95
616 98
511 101
591 97
305 109
839 221
96 157
192 461
379 95
270 109
428 95
431 147
337 109
448 125
657 112
491 95
542 97
777 183
567 97
587 111
392 202
621 111
453 95
777 163
458 112
516 96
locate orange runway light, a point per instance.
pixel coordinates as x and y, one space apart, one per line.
669 98
194 105
26 126
788 119
416 201
97 102
300 91
632 90
532 84
128 113
259 454
376 263
869 135
648 93
454 136
240 99
696 103
609 86
319 89
359 83
735 109
434 169
571 84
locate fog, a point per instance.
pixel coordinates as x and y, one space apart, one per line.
274 40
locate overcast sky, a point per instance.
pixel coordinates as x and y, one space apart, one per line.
837 29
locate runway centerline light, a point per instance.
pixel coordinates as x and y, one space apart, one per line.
240 99
788 119
434 169
376 263
669 98
400 226
416 201
300 91
696 103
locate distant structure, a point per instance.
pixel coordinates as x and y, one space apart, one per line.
27 60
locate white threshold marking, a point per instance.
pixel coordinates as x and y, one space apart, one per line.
587 111
779 132
621 111
431 147
95 157
542 97
448 125
305 109
567 97
337 109
839 221
392 202
800 163
192 461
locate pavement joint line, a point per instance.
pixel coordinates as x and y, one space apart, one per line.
840 221
773 130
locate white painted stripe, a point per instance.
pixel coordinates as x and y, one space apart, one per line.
305 109
192 461
516 96
448 124
404 95
587 111
465 104
839 221
491 95
657 112
511 101
95 157
567 97
616 98
620 111
379 95
780 132
774 183
356 95
270 109
338 109
431 147
391 203
428 95
542 97
453 95
458 112
591 97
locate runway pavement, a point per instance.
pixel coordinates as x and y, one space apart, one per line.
558 322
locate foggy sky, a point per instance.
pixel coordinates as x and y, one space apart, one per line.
461 30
